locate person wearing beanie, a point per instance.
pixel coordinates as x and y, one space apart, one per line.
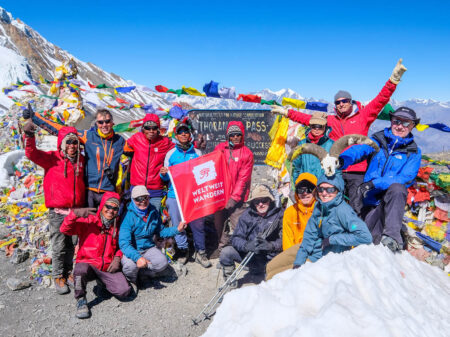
98 256
102 147
142 222
333 225
183 151
351 117
295 219
259 216
149 149
382 196
64 188
240 164
317 133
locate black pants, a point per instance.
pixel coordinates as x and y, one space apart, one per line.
94 198
352 181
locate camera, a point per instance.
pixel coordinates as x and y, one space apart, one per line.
109 173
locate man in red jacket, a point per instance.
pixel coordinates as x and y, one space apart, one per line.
351 118
98 256
148 149
64 189
240 164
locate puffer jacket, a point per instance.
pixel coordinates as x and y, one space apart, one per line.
398 161
335 220
296 216
98 245
63 186
308 162
251 224
100 153
240 164
358 122
177 156
148 157
136 235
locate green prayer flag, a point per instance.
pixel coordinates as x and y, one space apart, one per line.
384 114
102 86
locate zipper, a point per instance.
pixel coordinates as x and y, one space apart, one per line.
148 161
103 254
387 159
74 186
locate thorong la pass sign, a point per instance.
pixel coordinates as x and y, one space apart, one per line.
202 185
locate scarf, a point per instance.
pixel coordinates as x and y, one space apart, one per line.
105 222
140 212
107 136
314 139
184 147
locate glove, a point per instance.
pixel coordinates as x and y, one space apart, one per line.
114 266
296 266
397 73
230 204
340 164
279 110
361 193
250 246
28 112
29 129
325 243
84 212
263 246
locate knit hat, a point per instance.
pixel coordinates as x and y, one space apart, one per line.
407 113
113 201
150 123
234 129
342 94
261 191
71 136
139 191
318 117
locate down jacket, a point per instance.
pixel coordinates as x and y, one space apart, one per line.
398 161
63 187
240 164
335 220
359 121
98 245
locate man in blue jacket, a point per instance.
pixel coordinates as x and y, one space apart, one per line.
391 171
333 226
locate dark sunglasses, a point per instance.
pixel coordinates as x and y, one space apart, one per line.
148 128
113 208
301 190
399 122
106 121
141 198
261 200
232 135
181 131
346 100
317 126
328 189
71 142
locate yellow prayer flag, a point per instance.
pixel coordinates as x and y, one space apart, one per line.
296 103
276 155
421 127
192 91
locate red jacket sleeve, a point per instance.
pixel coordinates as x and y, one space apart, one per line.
244 177
41 158
299 117
72 224
371 110
119 253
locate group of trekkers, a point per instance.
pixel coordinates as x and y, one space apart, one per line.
119 236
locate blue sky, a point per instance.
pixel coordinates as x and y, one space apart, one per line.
314 47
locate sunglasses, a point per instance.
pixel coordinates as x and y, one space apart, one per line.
113 208
72 142
346 100
106 121
261 200
180 132
317 126
142 198
232 135
301 190
399 122
148 128
327 189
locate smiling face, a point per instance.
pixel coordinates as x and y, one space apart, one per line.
142 202
235 138
72 147
305 196
317 130
398 126
183 136
150 131
110 210
325 195
343 106
261 205
104 122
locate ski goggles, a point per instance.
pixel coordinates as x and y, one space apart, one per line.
400 122
344 101
112 208
141 198
327 189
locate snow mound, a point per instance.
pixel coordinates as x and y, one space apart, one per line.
367 291
7 162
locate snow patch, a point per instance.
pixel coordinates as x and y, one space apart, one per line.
7 161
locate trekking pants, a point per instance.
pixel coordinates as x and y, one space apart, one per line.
221 216
281 262
229 255
62 246
352 181
157 263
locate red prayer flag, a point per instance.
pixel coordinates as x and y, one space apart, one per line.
202 185
91 85
249 98
121 100
161 88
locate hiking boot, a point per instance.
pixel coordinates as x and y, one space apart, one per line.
82 309
70 281
227 272
389 242
183 256
200 257
215 254
61 286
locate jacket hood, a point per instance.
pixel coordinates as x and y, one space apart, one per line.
337 181
106 196
152 118
64 132
356 106
240 125
307 176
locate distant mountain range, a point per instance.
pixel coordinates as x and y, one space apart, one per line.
25 55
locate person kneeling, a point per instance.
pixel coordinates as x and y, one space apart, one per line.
247 235
333 226
98 256
141 222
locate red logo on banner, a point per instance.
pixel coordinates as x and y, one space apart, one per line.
202 185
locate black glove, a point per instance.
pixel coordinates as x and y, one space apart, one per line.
114 266
365 188
29 129
230 204
263 246
84 212
28 112
296 266
361 193
341 163
325 243
250 246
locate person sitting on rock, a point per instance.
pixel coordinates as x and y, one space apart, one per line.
391 171
98 256
142 221
333 226
295 219
247 237
64 189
